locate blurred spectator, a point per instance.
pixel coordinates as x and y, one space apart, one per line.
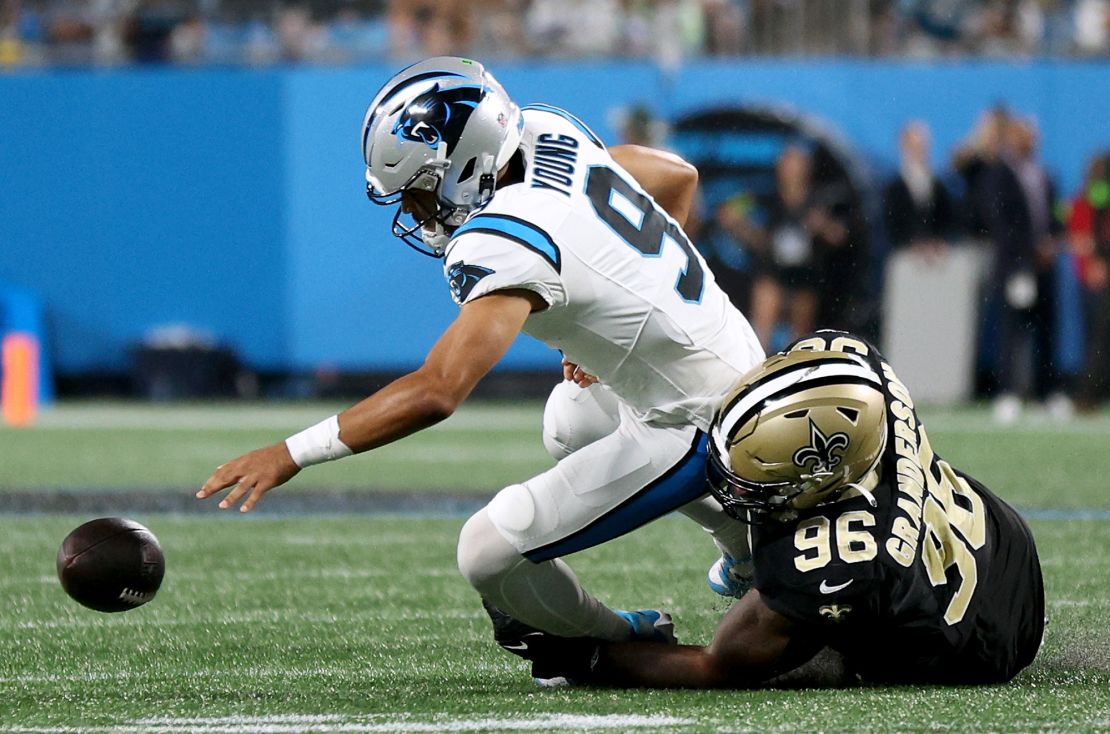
186 42
573 27
771 28
788 250
1024 237
1092 27
11 46
149 29
973 159
935 27
299 36
84 32
1009 27
1089 234
666 31
723 241
917 208
846 288
676 30
260 43
726 26
420 28
500 34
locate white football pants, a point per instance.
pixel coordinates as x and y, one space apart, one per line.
615 473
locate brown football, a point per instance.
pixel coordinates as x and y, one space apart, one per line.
111 564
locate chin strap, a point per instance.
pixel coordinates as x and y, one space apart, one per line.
864 491
436 239
487 182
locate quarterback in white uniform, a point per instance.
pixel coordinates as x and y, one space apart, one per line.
543 230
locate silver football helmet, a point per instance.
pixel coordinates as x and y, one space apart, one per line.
798 430
444 126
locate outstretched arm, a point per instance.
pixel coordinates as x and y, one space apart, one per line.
471 346
460 358
670 180
752 644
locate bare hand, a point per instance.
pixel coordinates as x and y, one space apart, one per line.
577 375
255 474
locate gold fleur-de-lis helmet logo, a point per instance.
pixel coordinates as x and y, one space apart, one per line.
824 452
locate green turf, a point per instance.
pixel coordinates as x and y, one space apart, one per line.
364 624
478 450
1036 464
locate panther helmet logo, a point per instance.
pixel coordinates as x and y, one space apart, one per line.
825 452
439 115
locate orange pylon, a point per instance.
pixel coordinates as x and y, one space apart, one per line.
19 384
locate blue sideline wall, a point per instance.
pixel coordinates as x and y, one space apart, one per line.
131 199
232 200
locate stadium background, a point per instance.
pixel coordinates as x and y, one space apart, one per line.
232 201
228 201
169 176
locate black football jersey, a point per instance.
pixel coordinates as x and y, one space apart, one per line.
937 582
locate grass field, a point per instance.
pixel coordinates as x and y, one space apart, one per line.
360 623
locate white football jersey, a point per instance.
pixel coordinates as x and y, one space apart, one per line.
629 298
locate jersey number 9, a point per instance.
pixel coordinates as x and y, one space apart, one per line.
654 228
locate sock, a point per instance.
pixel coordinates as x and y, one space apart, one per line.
729 534
545 595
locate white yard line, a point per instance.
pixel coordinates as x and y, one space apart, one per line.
400 724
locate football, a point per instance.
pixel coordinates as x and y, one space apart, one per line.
111 564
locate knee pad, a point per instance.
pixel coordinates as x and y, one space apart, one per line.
483 555
575 417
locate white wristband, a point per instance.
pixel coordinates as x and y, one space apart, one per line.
317 444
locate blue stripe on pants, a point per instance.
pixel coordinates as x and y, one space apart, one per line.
681 484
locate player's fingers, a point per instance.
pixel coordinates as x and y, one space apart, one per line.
256 494
582 378
218 481
236 494
568 370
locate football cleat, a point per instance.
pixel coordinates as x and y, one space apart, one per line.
556 661
726 577
649 625
511 634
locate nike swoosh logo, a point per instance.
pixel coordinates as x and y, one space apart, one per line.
825 588
522 645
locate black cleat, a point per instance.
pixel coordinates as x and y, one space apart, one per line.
556 661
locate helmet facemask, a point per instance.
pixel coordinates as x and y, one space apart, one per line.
426 232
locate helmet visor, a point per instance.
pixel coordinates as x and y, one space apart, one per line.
426 179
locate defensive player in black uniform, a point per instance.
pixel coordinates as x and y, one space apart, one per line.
863 539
